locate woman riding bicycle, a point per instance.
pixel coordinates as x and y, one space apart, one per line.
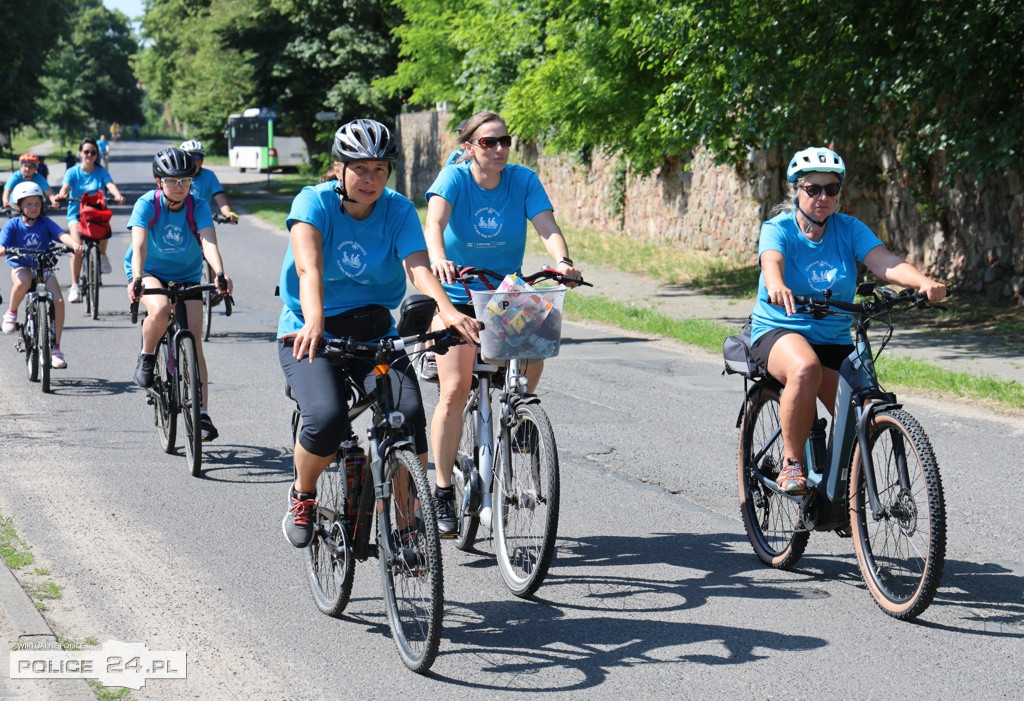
343 271
28 166
806 250
206 185
164 250
84 178
477 210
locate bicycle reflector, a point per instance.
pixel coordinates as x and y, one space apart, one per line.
381 369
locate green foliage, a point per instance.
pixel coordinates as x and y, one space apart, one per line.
27 39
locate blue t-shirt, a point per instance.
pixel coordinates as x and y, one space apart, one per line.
810 269
102 145
39 236
487 228
172 252
205 186
19 178
82 183
362 259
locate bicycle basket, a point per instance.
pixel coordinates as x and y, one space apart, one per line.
520 324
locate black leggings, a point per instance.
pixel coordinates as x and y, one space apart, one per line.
320 390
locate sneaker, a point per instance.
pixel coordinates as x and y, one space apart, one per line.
10 321
144 370
104 264
444 502
57 361
792 480
207 429
298 522
75 293
428 367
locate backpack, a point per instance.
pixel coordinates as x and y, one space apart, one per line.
190 214
736 353
94 216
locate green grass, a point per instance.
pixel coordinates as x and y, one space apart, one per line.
104 693
274 212
47 590
13 549
282 184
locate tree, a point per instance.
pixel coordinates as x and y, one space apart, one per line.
27 39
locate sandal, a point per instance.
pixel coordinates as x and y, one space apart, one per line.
791 480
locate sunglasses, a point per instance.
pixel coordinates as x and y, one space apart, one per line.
89 153
832 189
177 182
490 142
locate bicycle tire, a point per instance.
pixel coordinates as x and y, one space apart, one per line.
330 565
208 279
769 517
92 290
465 464
163 400
413 582
901 554
31 344
44 341
190 400
526 501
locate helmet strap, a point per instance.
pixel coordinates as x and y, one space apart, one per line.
340 188
808 216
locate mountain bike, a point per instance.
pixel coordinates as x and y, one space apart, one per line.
875 477
38 330
516 476
176 384
212 298
391 484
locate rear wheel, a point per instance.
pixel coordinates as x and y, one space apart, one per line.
30 344
769 517
163 403
92 290
902 549
463 473
190 400
330 566
44 342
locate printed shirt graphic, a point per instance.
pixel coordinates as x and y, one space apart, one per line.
81 183
487 228
811 268
206 185
362 259
172 252
40 235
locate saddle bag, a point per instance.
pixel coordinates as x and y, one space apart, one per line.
736 353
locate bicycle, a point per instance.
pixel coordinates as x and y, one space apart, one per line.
391 484
38 329
213 298
176 384
526 492
875 477
91 278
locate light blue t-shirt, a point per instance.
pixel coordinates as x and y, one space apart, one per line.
487 228
172 252
17 178
362 259
82 183
205 186
39 236
102 145
811 268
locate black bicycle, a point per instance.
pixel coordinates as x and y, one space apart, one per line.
213 298
91 278
38 330
391 484
176 384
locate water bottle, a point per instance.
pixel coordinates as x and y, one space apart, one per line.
816 448
355 460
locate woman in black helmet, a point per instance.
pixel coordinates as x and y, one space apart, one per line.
165 249
352 244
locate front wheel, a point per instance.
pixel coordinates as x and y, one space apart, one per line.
463 472
412 577
330 566
208 279
44 343
525 499
190 401
30 344
163 400
901 550
92 290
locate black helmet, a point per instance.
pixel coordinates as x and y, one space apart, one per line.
363 140
173 163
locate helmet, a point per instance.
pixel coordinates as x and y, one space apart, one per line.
363 140
194 147
173 163
816 159
23 190
28 158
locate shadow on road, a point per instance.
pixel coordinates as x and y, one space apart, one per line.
245 464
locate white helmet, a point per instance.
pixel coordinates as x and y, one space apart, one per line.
23 190
193 147
816 159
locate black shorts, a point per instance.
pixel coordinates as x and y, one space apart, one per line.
831 355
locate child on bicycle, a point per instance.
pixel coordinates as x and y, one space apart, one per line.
165 249
33 230
28 171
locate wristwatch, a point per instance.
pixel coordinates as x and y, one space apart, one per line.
567 260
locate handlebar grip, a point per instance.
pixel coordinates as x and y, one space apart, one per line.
227 305
135 312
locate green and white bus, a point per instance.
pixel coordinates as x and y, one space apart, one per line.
255 141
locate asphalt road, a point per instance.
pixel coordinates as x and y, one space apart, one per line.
655 591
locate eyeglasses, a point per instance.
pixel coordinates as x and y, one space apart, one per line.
832 189
490 142
89 153
177 182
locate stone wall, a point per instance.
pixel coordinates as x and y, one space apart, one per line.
971 235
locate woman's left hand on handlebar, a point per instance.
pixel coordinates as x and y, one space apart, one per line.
466 326
935 291
568 271
229 285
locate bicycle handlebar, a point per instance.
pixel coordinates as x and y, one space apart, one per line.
222 219
183 292
349 347
469 274
884 301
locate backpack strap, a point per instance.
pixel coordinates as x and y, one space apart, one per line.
190 214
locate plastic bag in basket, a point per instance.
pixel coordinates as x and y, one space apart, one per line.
517 308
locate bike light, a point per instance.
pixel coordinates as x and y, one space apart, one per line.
396 419
523 384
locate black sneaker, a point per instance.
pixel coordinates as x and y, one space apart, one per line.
208 431
144 370
298 522
444 501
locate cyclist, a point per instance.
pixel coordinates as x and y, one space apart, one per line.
33 230
477 210
806 249
350 239
79 180
206 185
104 148
165 250
28 165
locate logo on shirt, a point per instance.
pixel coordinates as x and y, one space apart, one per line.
33 240
351 260
173 237
821 275
487 222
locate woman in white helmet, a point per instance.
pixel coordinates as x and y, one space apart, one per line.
806 249
206 185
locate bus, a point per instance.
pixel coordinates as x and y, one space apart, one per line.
253 142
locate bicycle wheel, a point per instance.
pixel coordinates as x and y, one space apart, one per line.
525 497
44 341
330 566
463 475
92 289
190 400
413 581
208 279
28 339
769 517
163 403
901 551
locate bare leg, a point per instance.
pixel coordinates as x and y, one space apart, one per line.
794 363
455 376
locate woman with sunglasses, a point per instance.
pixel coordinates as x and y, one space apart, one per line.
477 211
806 250
86 177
